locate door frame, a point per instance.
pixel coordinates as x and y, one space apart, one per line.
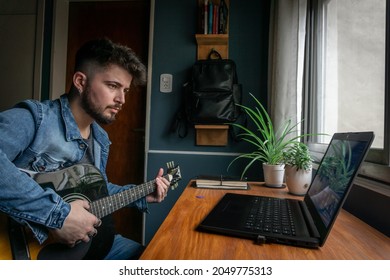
58 66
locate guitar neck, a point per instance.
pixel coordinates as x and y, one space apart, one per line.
107 205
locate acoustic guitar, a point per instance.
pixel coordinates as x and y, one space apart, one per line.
81 181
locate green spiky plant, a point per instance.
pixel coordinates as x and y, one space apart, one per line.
269 143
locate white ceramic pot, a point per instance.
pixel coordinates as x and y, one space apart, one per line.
297 181
273 175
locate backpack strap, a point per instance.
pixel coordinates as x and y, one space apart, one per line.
179 124
235 131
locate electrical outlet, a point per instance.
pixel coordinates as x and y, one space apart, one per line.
166 83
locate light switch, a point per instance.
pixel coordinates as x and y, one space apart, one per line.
166 83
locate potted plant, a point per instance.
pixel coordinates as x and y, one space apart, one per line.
298 168
269 144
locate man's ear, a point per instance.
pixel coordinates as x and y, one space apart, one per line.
79 81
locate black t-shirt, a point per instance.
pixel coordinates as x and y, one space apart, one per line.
102 242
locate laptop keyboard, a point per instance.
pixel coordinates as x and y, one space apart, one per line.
270 215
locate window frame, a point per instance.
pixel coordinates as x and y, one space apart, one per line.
376 166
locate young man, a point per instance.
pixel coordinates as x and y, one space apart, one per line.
52 135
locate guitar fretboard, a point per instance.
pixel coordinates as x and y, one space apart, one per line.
107 205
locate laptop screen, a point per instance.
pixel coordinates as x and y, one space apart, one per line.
335 175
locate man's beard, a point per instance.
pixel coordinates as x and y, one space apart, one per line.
93 110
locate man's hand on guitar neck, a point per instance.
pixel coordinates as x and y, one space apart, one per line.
79 225
162 187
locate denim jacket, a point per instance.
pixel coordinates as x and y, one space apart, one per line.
43 137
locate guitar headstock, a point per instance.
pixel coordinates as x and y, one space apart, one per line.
174 174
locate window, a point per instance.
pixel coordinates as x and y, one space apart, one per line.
346 74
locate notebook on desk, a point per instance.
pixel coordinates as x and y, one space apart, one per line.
306 222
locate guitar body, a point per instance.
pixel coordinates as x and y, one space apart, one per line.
82 181
16 246
49 249
5 246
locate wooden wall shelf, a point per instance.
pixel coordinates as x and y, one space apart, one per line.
211 135
206 42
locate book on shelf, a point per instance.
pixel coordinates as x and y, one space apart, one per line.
220 182
213 17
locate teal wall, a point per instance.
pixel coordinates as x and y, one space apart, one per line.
174 52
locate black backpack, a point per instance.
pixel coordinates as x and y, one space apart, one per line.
211 96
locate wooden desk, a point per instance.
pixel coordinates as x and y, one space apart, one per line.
177 238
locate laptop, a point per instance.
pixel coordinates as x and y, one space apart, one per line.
303 223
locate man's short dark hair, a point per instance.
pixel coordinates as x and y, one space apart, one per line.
103 53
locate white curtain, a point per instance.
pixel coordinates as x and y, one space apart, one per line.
286 58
